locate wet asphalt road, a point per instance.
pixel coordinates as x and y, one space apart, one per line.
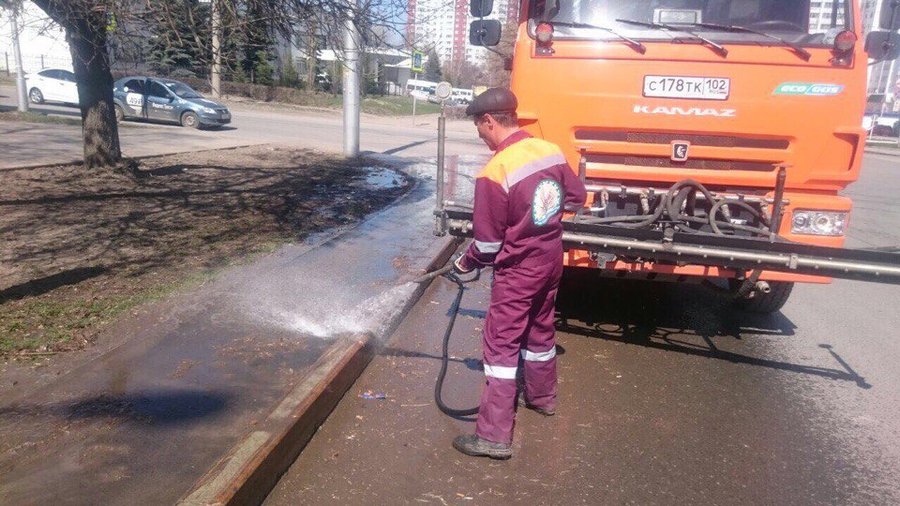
667 396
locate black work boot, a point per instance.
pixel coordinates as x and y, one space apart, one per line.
525 404
474 446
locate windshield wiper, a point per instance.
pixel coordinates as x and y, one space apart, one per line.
640 48
806 55
662 26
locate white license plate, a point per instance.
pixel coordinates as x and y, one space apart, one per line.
704 88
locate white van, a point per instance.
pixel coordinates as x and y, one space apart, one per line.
462 96
420 89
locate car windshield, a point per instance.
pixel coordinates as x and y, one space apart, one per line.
182 90
801 22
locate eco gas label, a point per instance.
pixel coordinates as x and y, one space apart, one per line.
813 89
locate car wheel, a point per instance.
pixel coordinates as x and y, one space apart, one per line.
190 119
36 96
120 114
882 131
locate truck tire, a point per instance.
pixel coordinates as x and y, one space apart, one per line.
189 119
766 303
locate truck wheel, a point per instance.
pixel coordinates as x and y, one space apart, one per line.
36 96
120 114
767 302
190 119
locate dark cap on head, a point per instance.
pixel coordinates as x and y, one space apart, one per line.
493 100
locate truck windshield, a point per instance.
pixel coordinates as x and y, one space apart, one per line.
799 22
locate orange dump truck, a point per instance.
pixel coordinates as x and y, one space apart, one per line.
710 133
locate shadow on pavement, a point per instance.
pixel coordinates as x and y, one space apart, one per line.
472 364
159 407
37 109
404 147
677 318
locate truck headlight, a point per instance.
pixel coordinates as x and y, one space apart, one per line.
808 222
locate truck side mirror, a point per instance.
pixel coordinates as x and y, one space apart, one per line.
484 32
481 8
890 16
883 46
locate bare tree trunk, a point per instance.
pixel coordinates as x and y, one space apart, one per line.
312 50
86 35
216 74
95 92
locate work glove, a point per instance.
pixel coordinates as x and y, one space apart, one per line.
459 266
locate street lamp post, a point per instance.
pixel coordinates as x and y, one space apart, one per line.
215 72
351 82
21 91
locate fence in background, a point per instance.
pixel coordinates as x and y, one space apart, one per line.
32 62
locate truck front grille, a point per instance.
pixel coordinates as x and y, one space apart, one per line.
692 163
719 141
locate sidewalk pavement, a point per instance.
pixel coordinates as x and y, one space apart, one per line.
212 396
883 150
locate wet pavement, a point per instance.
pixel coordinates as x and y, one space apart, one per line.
148 418
667 395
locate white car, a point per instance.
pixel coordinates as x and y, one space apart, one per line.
52 85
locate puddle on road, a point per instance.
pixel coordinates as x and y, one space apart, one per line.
384 178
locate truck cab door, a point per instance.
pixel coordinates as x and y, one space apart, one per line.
160 102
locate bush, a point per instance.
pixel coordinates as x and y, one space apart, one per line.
264 70
289 76
238 75
263 93
181 73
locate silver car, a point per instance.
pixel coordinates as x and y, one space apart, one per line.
166 100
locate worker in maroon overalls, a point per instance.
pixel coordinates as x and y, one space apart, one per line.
519 199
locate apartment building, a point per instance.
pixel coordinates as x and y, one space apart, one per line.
444 26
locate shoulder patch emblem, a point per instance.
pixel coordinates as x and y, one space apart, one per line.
546 202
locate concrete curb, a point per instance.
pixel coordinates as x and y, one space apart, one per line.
253 466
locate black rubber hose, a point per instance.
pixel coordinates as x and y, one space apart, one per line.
445 353
714 223
748 285
642 220
428 276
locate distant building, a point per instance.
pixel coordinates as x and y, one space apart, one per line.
444 26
